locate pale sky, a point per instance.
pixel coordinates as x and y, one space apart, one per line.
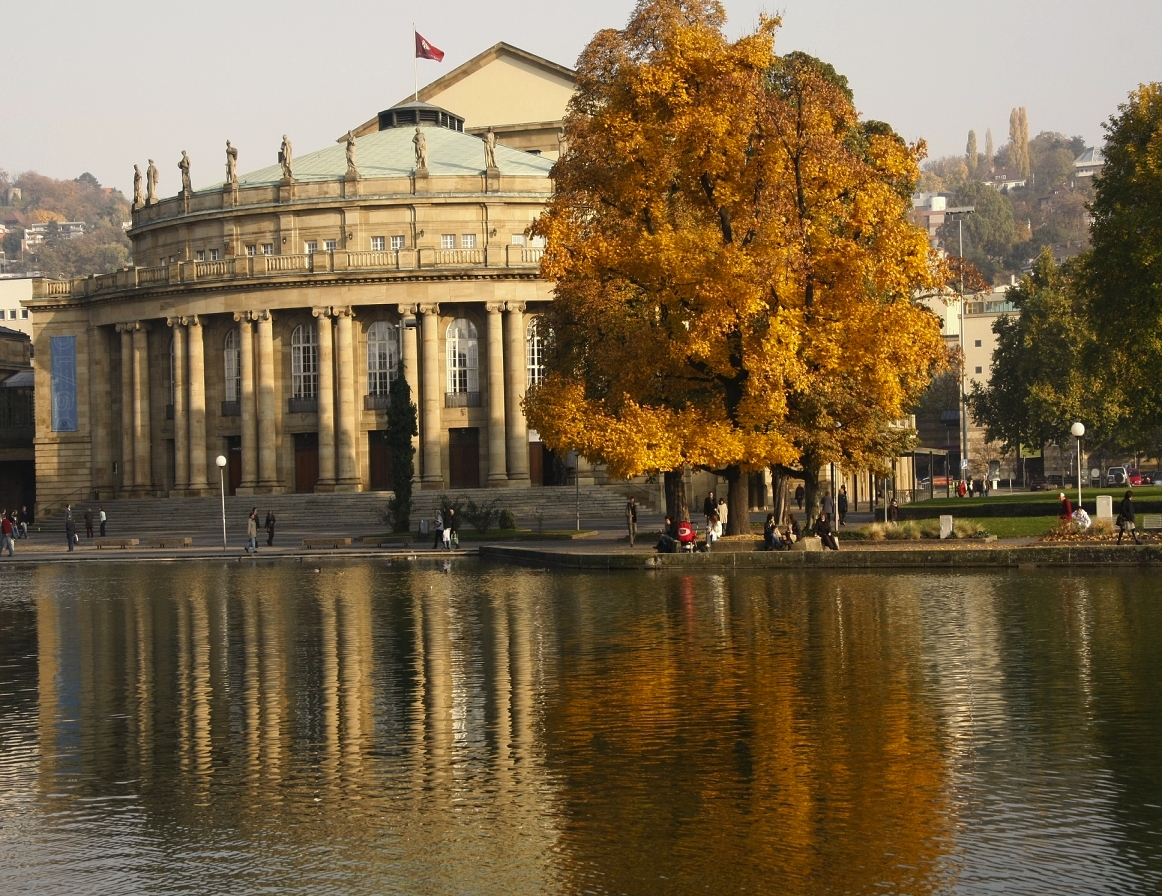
98 86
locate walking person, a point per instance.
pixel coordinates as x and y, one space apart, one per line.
88 522
269 528
1126 518
841 505
709 507
799 495
6 534
70 527
101 518
252 532
631 519
451 523
723 512
894 511
24 521
827 505
438 528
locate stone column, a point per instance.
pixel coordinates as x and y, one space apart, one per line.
249 419
100 411
197 406
409 352
514 389
142 456
432 386
267 379
346 467
497 469
181 454
326 403
126 406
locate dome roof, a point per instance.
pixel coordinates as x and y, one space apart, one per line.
391 153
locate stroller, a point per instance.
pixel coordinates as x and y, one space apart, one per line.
687 537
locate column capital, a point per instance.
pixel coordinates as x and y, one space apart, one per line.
343 311
494 307
516 307
242 316
432 308
192 321
407 310
130 326
324 311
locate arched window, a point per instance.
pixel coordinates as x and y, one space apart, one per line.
382 357
232 359
304 362
463 357
534 353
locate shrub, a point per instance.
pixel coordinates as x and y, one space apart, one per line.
483 516
507 520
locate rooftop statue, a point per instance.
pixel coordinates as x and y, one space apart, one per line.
286 157
490 149
151 183
184 165
231 164
421 143
352 171
138 201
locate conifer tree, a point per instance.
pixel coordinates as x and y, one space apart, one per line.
989 152
971 158
401 427
1023 132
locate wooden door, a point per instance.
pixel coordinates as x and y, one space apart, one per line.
233 464
306 461
536 463
464 458
379 461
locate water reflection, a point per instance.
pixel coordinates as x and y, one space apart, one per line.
383 729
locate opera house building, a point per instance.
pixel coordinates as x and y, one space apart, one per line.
265 317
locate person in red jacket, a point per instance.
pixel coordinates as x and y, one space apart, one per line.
6 533
1066 513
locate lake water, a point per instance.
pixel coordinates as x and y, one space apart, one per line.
251 728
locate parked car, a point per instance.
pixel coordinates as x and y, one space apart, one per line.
1134 477
1116 476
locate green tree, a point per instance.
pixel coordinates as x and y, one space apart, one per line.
1123 270
1040 380
971 156
989 232
402 427
989 153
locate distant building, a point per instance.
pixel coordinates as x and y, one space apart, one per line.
928 213
14 290
1005 179
17 420
35 234
1089 163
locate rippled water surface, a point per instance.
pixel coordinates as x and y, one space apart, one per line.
367 728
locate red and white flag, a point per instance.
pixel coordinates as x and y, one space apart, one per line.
425 50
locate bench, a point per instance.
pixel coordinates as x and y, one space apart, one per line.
1152 520
326 542
173 541
115 543
387 541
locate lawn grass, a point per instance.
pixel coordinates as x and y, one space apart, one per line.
498 535
1016 526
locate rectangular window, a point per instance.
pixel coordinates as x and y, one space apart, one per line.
978 370
329 245
213 255
312 247
268 248
173 259
518 239
978 343
250 249
63 352
468 241
200 255
448 241
378 244
24 313
398 242
12 314
537 242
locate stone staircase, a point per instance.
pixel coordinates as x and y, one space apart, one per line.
329 514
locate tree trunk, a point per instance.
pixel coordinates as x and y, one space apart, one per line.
676 509
811 487
779 495
738 500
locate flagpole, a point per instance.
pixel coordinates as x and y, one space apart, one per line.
416 63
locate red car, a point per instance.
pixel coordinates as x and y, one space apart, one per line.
1134 477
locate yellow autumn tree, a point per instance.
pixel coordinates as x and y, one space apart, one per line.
733 262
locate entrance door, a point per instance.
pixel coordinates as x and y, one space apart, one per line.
306 461
464 458
233 463
536 463
379 461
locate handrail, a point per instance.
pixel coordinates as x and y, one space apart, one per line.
47 511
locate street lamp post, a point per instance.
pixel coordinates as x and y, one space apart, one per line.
221 462
1078 430
960 211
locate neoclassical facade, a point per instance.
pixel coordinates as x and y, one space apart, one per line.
266 318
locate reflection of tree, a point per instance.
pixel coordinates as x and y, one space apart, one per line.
748 746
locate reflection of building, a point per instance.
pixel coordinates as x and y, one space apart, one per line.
17 471
265 321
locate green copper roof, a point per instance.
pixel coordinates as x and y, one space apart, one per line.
390 153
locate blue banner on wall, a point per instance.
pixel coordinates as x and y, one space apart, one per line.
64 383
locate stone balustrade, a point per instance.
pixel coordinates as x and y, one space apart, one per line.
258 266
